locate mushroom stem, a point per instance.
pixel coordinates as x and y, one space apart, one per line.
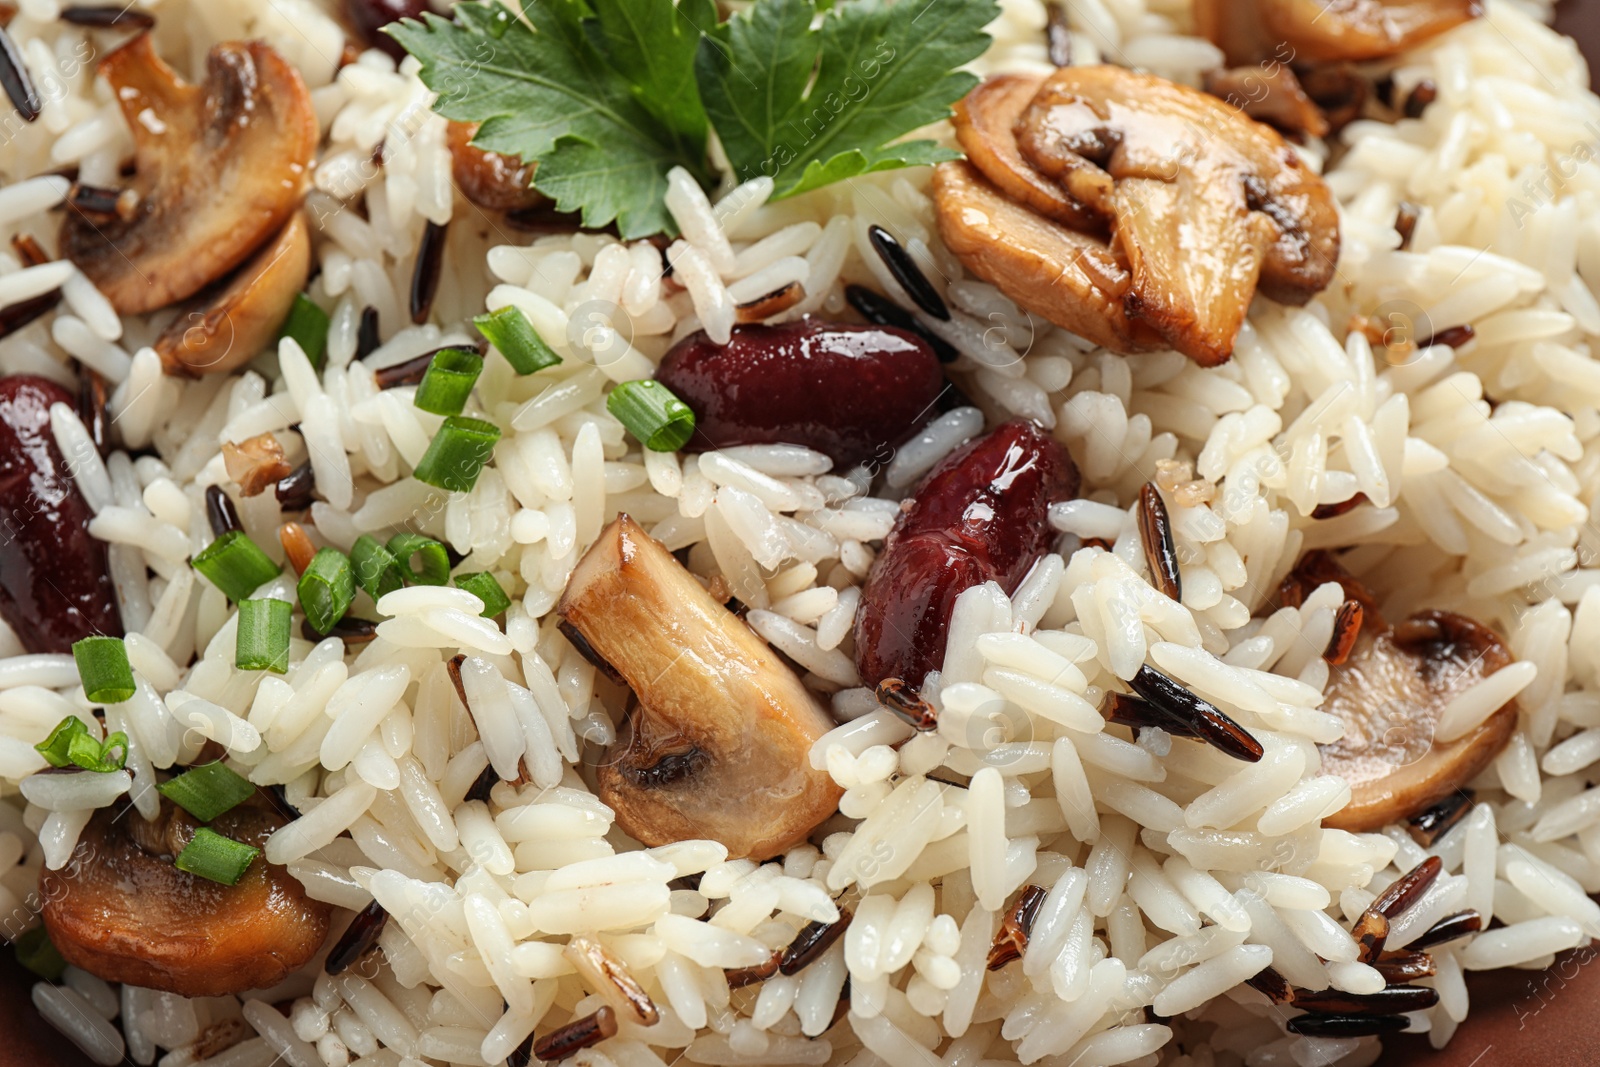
719 744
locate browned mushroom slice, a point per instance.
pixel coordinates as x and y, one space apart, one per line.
1071 278
1322 31
489 179
984 119
1268 94
221 167
229 325
1238 208
119 909
1390 694
256 463
719 744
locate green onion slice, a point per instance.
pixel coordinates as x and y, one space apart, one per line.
651 412
37 953
448 381
211 856
308 325
207 791
327 589
263 640
377 570
457 454
103 668
236 565
434 561
71 744
483 586
514 337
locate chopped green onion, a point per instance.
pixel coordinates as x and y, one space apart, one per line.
448 381
263 640
103 668
327 588
71 744
483 586
308 325
236 565
514 337
435 569
37 953
215 858
377 569
650 411
457 454
207 791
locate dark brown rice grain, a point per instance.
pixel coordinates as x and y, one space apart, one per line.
812 941
900 698
1450 928
425 276
1407 889
1011 940
577 1035
1207 720
408 373
1346 628
295 488
1403 966
740 977
220 511
92 406
367 340
1160 551
16 80
907 273
108 16
881 311
1393 1000
358 939
1272 985
1418 99
1426 827
1454 337
1347 1025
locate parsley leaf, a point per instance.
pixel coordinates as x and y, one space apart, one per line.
603 98
880 71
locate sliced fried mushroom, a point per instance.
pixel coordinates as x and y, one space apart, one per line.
1322 31
221 166
120 910
1268 94
1071 278
230 324
1204 203
256 463
719 744
1390 693
489 179
984 119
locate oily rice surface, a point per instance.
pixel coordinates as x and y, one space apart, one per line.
1170 873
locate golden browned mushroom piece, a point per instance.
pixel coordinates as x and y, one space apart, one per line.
489 179
1268 94
1204 203
1321 31
719 744
256 463
119 909
984 120
1390 692
221 166
1071 278
230 324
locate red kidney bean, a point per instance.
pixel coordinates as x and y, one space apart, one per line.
370 16
852 392
980 516
54 583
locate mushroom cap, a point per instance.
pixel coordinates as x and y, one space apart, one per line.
120 910
1323 31
492 180
220 167
230 324
1390 693
719 743
1205 203
1071 278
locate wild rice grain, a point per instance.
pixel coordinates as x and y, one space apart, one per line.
1155 533
358 939
1204 718
16 80
1012 939
1347 1025
425 275
1450 928
881 311
1346 628
814 939
577 1035
907 273
1057 34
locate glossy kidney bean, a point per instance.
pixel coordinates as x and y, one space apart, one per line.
54 584
852 392
980 516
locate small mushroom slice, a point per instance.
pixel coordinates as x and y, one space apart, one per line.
984 119
221 166
1390 693
1268 94
1206 204
719 744
230 324
1323 31
120 910
489 179
1071 278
